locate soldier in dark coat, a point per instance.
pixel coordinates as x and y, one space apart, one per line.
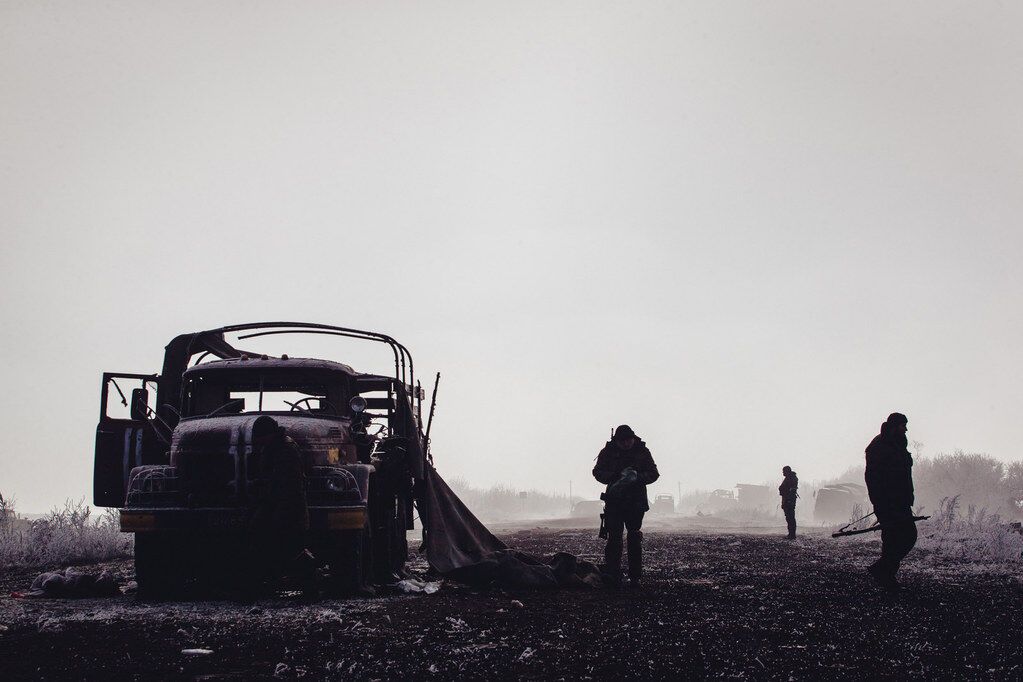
280 521
626 467
788 491
889 476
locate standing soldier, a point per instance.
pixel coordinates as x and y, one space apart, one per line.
788 493
889 475
626 467
280 521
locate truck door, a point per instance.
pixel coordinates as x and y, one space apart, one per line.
124 437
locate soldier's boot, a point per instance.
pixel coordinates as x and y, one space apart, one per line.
790 521
884 575
613 559
635 544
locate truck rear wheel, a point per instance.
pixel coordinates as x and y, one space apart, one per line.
157 566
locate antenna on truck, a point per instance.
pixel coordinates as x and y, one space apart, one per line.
429 421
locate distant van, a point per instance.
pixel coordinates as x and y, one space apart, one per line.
592 508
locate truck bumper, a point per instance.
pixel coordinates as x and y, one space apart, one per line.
231 520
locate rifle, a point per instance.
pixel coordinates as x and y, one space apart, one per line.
843 531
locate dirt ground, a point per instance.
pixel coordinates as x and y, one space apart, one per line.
714 605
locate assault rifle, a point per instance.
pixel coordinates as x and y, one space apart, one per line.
844 530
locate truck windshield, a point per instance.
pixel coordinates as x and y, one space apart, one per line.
277 401
219 395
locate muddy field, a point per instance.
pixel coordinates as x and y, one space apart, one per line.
714 605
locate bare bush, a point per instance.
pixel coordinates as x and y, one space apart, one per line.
976 479
857 513
973 478
976 536
7 515
64 537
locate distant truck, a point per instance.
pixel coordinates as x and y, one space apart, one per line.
175 454
663 504
592 508
839 503
757 496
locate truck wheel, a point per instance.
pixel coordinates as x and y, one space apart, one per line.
156 567
347 563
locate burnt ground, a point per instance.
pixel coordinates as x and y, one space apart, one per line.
714 605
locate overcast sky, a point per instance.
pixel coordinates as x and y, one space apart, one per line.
749 230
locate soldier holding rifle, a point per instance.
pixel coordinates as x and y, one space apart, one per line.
789 492
889 476
626 466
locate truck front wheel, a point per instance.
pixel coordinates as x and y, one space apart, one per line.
347 558
157 564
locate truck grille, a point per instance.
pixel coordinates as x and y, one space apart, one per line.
207 476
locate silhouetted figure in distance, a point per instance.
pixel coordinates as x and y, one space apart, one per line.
788 491
889 476
626 467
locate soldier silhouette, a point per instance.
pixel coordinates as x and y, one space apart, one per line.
626 467
788 491
889 477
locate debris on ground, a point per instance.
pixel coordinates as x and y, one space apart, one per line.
518 570
71 584
413 586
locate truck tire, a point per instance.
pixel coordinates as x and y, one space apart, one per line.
157 566
347 562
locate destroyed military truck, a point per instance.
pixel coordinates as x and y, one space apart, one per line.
176 454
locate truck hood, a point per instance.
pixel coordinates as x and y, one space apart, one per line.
318 437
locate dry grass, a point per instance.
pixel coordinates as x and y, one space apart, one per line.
64 537
973 536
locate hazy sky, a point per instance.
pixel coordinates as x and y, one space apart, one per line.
749 230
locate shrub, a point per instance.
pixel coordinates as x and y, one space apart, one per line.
63 537
976 536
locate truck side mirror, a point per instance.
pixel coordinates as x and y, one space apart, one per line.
139 404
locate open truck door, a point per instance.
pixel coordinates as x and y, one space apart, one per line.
125 437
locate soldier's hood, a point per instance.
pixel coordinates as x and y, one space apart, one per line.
885 442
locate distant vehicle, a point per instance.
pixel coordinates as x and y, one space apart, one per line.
753 496
837 503
181 465
663 504
716 501
592 508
